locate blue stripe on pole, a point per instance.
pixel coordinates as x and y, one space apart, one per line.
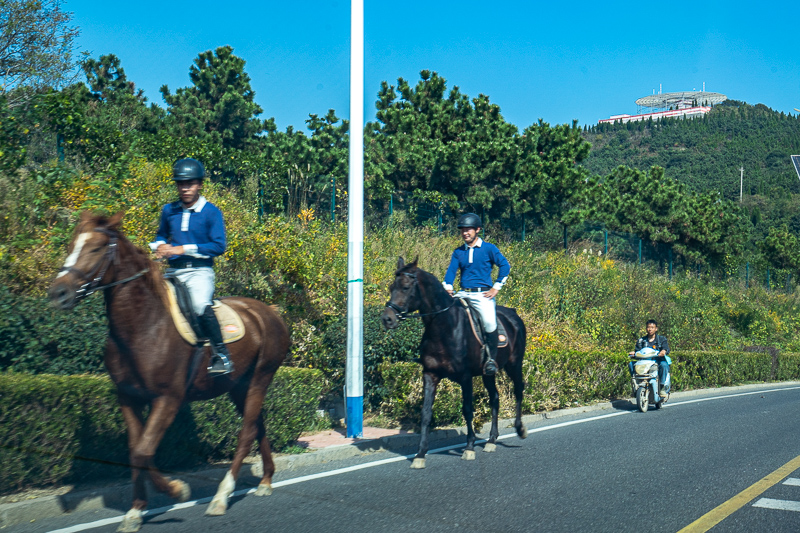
355 417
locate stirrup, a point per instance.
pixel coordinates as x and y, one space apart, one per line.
220 365
490 367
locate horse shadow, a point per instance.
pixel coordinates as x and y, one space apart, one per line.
100 468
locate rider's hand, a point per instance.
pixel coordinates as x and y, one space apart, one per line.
166 250
491 293
163 250
450 291
631 353
662 353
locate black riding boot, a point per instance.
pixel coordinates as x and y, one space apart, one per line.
221 359
490 366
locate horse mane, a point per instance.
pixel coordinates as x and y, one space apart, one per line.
140 258
430 282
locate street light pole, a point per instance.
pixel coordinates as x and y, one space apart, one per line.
354 370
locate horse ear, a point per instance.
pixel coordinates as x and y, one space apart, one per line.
414 262
115 220
400 262
85 215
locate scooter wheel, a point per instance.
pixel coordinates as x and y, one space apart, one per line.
641 399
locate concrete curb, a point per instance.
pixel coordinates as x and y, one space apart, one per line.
206 480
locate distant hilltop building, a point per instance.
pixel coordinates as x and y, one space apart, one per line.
689 104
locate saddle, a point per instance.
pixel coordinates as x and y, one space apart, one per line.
186 322
476 323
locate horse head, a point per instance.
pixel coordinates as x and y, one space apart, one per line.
92 255
404 294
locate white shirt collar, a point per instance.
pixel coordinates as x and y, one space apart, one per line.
198 206
478 242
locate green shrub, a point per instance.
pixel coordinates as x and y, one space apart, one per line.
36 338
69 428
562 378
403 398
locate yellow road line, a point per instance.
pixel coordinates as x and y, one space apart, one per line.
720 513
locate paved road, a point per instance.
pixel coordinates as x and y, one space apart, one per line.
616 470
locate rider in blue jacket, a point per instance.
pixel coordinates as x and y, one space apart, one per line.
475 260
191 234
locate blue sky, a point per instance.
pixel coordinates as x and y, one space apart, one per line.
551 60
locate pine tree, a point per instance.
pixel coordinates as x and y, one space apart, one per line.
220 104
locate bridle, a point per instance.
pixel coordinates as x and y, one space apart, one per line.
403 314
92 280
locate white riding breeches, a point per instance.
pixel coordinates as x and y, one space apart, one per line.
199 282
485 306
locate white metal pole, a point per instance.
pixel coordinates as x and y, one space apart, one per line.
741 183
354 371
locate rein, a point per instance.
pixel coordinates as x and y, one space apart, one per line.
92 286
404 314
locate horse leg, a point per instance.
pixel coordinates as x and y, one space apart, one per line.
519 388
467 411
143 442
494 402
249 405
132 413
429 383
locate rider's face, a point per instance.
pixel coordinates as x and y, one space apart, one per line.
651 329
469 235
189 191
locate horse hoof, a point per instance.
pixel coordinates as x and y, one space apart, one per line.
264 489
489 447
468 455
257 469
418 463
216 508
132 522
523 433
179 490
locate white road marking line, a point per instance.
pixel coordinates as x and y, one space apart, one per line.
311 477
76 251
729 396
793 481
781 505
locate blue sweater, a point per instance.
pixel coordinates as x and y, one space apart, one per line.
476 266
199 229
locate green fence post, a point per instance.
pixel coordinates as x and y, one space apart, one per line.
605 242
260 201
640 251
747 275
768 288
333 199
523 227
670 263
60 147
565 238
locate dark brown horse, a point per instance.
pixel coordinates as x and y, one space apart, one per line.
450 350
150 363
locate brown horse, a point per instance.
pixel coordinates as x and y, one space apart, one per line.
150 363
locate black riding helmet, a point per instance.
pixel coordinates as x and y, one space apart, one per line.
470 220
188 169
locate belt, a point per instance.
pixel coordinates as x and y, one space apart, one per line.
476 289
191 263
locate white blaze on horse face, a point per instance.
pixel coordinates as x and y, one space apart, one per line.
76 252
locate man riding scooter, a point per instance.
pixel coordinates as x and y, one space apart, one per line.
659 344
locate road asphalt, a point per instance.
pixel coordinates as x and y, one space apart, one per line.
324 447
